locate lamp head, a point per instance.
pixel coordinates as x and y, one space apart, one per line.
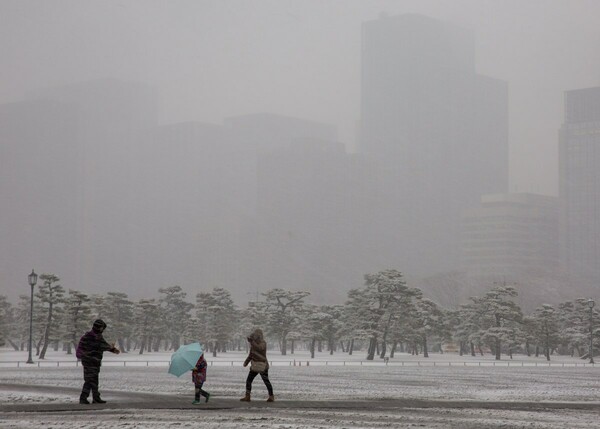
32 278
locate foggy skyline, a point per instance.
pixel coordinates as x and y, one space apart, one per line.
212 60
145 162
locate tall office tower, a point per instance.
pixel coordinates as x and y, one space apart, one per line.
511 236
40 192
579 185
192 186
111 116
303 218
290 239
437 129
268 131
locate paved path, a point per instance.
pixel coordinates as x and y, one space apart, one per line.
118 400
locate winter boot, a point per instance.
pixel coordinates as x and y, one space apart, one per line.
246 398
83 400
271 398
207 397
98 400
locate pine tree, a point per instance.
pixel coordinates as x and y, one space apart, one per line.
119 314
283 309
176 313
498 316
76 317
547 328
51 295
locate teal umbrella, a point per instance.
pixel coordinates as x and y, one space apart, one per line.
185 358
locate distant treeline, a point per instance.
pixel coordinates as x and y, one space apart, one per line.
380 318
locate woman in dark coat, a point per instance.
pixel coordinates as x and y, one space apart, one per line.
90 350
259 364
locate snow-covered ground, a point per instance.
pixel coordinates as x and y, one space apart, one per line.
327 378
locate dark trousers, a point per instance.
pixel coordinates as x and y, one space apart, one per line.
265 377
90 382
199 392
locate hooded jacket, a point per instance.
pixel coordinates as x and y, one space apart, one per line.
92 345
258 348
199 371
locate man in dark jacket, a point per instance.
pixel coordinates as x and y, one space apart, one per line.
90 349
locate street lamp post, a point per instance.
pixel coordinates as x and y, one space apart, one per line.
591 305
32 281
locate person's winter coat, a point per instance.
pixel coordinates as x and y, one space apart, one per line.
258 352
199 372
92 346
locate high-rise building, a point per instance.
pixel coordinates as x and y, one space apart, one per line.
511 236
291 241
40 191
579 184
439 132
114 114
192 183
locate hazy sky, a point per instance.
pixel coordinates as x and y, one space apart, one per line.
212 59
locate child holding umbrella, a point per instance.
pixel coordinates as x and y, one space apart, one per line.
199 377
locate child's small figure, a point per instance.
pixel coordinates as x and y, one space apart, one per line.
199 377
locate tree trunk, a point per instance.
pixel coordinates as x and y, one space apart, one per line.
284 346
527 348
383 350
13 345
312 348
372 345
319 346
175 343
537 350
351 347
143 345
472 349
425 352
498 344
46 332
38 344
343 348
393 349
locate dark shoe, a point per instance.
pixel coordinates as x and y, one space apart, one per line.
271 398
98 401
207 396
196 402
83 401
246 398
